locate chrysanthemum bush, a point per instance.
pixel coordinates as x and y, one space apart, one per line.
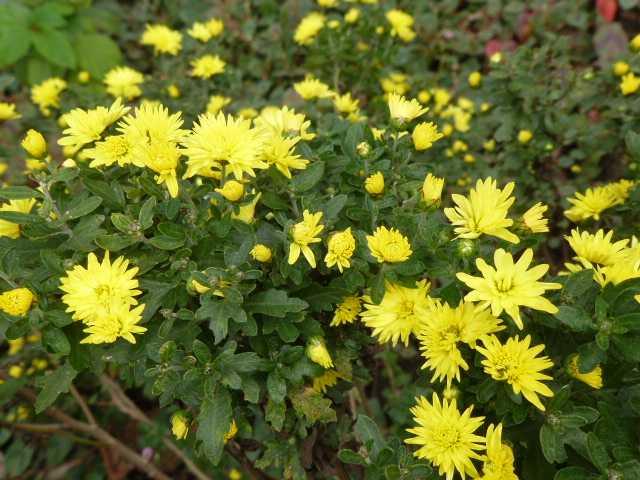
375 278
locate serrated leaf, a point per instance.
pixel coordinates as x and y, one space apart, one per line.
369 433
214 421
54 45
275 303
53 384
312 405
597 452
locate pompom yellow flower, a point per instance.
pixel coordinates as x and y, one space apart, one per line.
593 378
483 212
318 353
474 79
8 111
629 84
232 190
424 135
162 157
10 229
620 68
15 371
124 82
590 204
207 66
279 151
162 39
261 253
180 425
389 245
328 379
525 136
17 302
303 234
518 364
311 88
374 183
533 219
401 24
121 321
308 28
347 311
47 94
446 437
432 189
510 285
34 144
340 248
399 313
403 110
498 462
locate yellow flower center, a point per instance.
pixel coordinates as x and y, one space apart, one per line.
448 438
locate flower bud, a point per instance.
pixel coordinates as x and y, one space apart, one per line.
180 424
261 253
475 78
317 352
173 91
363 149
620 68
16 302
466 248
432 189
35 144
233 430
525 136
84 76
374 184
232 190
424 135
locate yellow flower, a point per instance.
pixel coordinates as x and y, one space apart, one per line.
400 312
389 245
510 285
124 82
424 96
86 126
374 184
217 103
352 15
517 364
34 144
217 140
525 136
311 88
234 474
327 3
328 379
162 39
347 311
8 111
403 110
395 83
635 42
119 322
401 24
305 233
206 31
432 189
590 204
483 212
16 345
84 76
17 302
207 66
443 328
498 463
620 189
596 248
318 353
474 79
441 97
173 91
446 437
232 190
47 94
10 229
363 149
162 157
246 212
340 249
284 121
16 371
469 158
248 113
424 135
233 430
629 84
533 219
346 104
180 425
99 289
593 378
309 28
261 253
279 151
620 68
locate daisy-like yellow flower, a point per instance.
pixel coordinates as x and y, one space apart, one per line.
303 234
204 32
207 66
533 219
279 151
8 111
217 103
625 269
163 159
346 104
424 135
17 302
483 212
395 83
311 88
403 110
318 353
593 378
518 364
443 328
180 425
340 248
308 28
218 141
399 313
347 311
162 39
446 437
124 82
389 245
100 289
629 84
432 189
120 322
590 204
510 285
328 379
595 249
86 126
34 144
620 189
374 183
498 462
47 94
10 229
261 253
284 121
401 24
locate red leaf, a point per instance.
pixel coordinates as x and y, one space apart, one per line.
607 9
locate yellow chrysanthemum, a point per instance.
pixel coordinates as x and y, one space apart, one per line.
498 462
346 104
162 157
34 144
595 249
399 313
374 183
590 204
17 302
318 353
525 136
395 83
432 189
620 189
389 245
625 269
516 363
425 135
10 229
629 84
121 321
162 39
401 24
347 311
261 253
124 82
340 248
308 28
446 437
8 111
206 31
207 66
113 149
284 121
403 110
483 212
533 219
217 103
328 379
47 94
311 88
180 425
232 190
593 378
303 234
16 345
510 285
279 151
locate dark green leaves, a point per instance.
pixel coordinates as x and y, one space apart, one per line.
97 53
308 178
274 303
18 193
53 384
54 46
214 421
575 318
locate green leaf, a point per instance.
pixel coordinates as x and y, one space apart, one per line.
83 207
19 193
312 405
18 458
629 346
350 457
275 414
115 242
201 351
55 46
275 303
53 384
110 193
15 41
574 473
145 217
9 388
333 207
369 433
165 242
597 452
97 53
575 318
552 447
214 421
56 340
632 140
19 218
308 178
218 312
276 386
